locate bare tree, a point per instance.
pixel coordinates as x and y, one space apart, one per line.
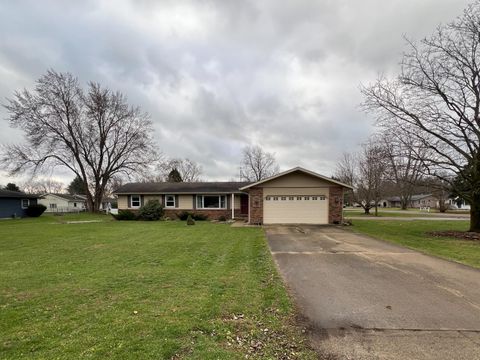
94 133
189 170
365 171
257 164
404 166
436 100
43 186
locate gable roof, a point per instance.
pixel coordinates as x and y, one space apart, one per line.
16 194
181 187
297 169
413 198
68 197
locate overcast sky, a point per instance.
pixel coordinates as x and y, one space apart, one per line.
218 75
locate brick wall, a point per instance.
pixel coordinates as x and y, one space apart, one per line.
256 205
335 205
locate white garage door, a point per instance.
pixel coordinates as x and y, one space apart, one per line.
295 206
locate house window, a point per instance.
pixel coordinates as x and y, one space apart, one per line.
299 198
322 197
306 198
291 198
52 206
25 203
275 198
135 201
314 198
211 202
284 198
170 201
74 204
267 198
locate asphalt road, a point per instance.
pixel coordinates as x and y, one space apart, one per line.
367 299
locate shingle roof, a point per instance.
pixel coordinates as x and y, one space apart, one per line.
182 187
16 194
68 197
413 198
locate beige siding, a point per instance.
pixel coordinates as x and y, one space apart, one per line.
294 211
122 202
185 202
296 179
236 202
147 198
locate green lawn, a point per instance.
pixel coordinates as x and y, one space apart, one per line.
141 290
399 213
412 234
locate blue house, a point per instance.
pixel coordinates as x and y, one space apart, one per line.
14 203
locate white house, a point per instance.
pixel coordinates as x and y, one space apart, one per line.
63 202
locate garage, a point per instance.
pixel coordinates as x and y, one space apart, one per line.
296 196
295 206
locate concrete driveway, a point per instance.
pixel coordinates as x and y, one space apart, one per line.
367 299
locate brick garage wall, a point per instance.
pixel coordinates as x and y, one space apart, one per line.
256 205
212 214
335 205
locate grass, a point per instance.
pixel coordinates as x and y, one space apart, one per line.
399 213
140 290
412 234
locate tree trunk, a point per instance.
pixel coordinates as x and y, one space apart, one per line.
367 210
475 214
441 206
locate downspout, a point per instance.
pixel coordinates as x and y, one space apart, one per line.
233 206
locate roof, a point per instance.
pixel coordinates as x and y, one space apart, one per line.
181 187
16 194
68 197
295 169
413 198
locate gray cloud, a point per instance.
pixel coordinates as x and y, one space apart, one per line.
217 75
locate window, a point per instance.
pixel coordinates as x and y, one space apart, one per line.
314 198
267 198
284 198
275 198
291 198
322 197
211 202
299 198
74 204
52 206
135 201
306 198
25 203
170 201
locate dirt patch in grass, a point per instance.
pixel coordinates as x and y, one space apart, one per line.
462 235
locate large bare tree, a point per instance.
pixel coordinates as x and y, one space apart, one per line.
257 164
188 169
404 166
43 186
92 132
365 171
436 100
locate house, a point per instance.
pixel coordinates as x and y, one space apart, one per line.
63 202
296 196
15 203
416 201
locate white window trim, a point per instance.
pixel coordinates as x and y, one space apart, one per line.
28 203
139 201
210 208
174 201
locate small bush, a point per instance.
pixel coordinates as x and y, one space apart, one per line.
125 215
195 216
152 210
190 220
35 210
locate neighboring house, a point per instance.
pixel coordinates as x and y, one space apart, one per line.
296 196
14 203
63 202
416 201
458 203
108 204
